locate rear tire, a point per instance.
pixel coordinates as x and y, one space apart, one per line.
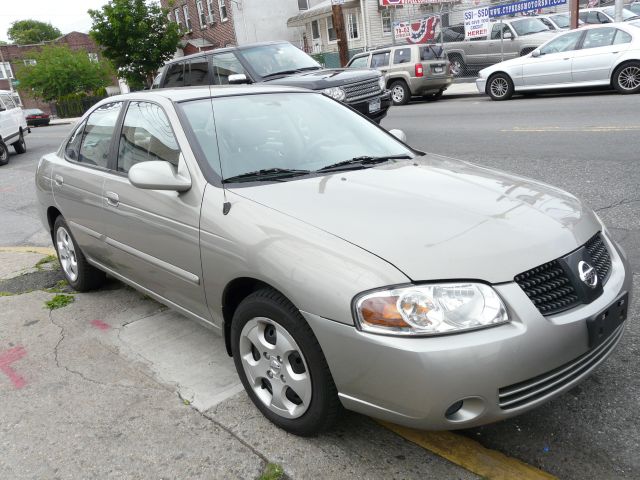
458 67
4 153
281 364
20 146
400 93
77 271
626 78
500 87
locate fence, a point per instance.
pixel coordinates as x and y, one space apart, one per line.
75 107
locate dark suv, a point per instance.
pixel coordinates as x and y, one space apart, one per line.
279 63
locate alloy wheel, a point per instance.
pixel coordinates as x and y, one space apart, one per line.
67 254
629 78
397 94
275 367
499 87
456 67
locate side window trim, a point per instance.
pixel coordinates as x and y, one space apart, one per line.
76 130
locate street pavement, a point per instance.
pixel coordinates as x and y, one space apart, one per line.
114 385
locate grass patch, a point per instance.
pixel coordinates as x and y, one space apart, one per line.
272 471
59 287
59 301
46 260
6 294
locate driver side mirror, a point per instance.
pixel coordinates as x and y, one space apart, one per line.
536 53
160 175
507 36
238 78
399 134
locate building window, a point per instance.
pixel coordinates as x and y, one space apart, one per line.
303 4
176 14
5 71
210 10
223 10
201 17
352 26
93 57
386 21
29 62
331 32
315 29
187 19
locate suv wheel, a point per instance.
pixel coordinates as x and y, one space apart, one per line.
281 364
458 66
626 78
400 93
500 87
20 146
4 153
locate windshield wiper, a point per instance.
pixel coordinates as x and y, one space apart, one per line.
361 162
266 174
289 72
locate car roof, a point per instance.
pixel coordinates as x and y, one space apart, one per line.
226 49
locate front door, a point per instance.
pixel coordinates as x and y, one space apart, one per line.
500 48
153 235
553 66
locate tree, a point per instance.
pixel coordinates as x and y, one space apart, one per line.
25 32
59 72
136 37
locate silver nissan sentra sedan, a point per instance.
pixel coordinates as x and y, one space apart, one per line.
342 267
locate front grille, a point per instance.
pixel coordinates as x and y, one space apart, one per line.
360 90
534 389
551 288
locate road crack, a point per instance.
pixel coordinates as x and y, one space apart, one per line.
619 203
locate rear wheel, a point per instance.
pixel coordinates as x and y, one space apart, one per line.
4 153
20 146
500 87
458 66
281 364
400 93
626 78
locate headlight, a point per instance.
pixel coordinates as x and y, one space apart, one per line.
430 309
336 93
382 83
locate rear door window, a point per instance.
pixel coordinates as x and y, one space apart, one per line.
402 55
225 64
175 75
599 37
97 134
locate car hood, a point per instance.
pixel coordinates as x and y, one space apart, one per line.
438 218
320 79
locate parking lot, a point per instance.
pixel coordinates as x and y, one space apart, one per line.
113 385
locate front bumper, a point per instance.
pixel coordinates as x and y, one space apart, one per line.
362 106
481 85
414 381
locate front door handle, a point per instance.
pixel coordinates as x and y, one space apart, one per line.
112 198
58 179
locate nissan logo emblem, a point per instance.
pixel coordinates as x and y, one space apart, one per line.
587 274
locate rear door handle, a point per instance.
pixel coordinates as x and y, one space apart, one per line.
58 179
112 198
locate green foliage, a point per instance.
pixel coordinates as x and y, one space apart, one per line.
136 37
59 301
26 32
273 471
6 294
61 286
43 261
60 72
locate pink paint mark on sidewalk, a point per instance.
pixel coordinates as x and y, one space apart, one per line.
9 357
100 325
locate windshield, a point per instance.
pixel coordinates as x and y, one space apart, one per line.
283 57
528 26
301 131
561 21
626 13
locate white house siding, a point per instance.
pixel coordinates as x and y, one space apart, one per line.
265 20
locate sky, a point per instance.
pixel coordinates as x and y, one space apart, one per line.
67 15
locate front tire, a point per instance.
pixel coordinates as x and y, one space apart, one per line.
626 78
400 93
500 87
281 364
4 153
20 146
77 271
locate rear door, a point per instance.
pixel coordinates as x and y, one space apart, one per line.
553 66
153 235
600 50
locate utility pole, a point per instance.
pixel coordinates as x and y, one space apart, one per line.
341 33
574 8
619 7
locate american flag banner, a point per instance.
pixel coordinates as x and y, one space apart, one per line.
423 30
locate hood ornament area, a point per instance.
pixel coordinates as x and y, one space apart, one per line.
587 274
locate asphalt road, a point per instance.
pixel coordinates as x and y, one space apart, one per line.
586 144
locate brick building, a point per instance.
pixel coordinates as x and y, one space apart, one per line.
18 55
207 24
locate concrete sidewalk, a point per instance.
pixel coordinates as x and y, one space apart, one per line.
462 89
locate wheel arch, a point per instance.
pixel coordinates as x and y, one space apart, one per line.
52 214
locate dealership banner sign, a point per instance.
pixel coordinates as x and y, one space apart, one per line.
524 6
419 31
393 3
476 23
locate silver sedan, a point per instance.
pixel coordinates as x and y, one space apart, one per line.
341 266
597 56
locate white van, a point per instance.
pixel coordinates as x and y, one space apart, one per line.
13 126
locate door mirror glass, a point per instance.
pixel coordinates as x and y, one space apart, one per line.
399 134
237 78
508 36
159 175
535 53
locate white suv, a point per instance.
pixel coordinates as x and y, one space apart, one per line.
13 126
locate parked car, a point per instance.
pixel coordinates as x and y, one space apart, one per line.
558 21
13 126
280 63
595 16
36 117
634 8
342 266
521 36
594 56
409 70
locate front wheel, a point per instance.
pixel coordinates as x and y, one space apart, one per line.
4 153
500 87
400 93
281 364
626 78
20 146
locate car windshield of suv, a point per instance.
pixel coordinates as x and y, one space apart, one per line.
562 21
626 13
286 131
270 60
528 26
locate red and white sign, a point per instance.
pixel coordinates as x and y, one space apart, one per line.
394 3
421 31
